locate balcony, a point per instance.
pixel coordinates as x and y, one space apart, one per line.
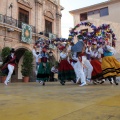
49 35
11 21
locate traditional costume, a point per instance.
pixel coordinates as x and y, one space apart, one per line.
100 52
88 49
110 65
37 55
9 65
65 69
88 68
80 76
96 64
73 61
44 68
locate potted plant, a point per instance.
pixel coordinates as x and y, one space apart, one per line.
27 65
4 53
2 76
1 62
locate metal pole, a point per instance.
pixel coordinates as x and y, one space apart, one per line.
11 11
5 20
57 54
10 7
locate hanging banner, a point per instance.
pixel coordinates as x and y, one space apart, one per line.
26 33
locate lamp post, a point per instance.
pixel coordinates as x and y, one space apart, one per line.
10 7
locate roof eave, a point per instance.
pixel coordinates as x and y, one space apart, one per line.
88 8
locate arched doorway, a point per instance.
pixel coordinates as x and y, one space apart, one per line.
18 76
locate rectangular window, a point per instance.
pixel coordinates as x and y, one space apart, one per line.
23 16
104 12
48 26
93 12
90 13
83 16
96 11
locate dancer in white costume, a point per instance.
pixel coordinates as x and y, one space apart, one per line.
87 68
80 75
10 64
37 55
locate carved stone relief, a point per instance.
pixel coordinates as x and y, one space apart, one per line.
50 5
39 1
25 2
49 14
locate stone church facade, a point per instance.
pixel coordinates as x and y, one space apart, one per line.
43 16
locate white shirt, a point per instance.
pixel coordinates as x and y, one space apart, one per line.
12 55
88 52
63 55
113 51
84 58
69 48
35 55
100 52
93 53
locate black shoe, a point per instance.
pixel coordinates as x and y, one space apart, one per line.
62 83
74 81
94 82
101 82
116 83
111 82
43 83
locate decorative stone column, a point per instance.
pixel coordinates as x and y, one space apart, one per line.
58 24
38 15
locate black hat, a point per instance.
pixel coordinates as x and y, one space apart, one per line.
12 50
80 37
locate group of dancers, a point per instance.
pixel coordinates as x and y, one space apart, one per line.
80 63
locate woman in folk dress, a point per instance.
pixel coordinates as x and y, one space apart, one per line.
44 67
110 65
65 69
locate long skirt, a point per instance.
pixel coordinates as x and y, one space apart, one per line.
110 66
65 71
97 70
43 72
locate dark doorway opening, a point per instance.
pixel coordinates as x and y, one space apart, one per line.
48 28
19 53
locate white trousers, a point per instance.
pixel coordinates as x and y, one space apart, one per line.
11 69
79 72
88 70
73 65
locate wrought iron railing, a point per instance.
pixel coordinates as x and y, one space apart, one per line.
13 22
48 34
1 18
10 21
18 23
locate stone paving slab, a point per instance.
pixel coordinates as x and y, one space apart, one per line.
31 101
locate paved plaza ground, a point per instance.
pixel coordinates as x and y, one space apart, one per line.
31 101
